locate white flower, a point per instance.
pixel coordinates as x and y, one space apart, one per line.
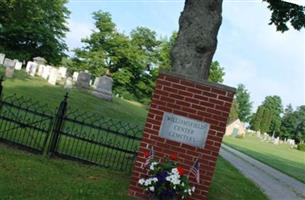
152 188
193 189
141 181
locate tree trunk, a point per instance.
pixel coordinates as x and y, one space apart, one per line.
197 38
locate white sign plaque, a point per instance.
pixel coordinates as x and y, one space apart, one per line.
185 130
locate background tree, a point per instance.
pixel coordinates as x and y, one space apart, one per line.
31 28
274 104
265 121
284 12
233 112
288 124
131 60
198 28
216 72
257 119
243 100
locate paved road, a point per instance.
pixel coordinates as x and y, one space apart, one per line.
276 185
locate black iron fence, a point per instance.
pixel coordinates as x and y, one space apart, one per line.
82 136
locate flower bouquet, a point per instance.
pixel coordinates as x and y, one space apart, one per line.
166 181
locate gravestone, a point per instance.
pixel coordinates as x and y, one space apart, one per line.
40 69
46 72
96 81
9 63
9 72
53 76
62 71
103 88
39 60
75 76
18 65
69 83
28 66
2 57
33 69
83 80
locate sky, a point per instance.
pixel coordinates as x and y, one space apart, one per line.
252 52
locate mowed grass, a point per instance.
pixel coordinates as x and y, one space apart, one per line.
39 90
25 176
281 157
32 177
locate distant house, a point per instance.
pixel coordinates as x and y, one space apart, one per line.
236 128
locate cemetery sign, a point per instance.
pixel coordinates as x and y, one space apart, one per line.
184 130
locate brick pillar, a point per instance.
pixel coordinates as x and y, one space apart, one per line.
204 101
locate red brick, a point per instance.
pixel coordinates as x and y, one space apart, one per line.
180 97
172 79
192 100
170 89
182 103
215 101
224 98
187 83
218 91
164 82
178 86
209 94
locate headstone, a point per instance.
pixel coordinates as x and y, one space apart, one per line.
2 57
276 140
40 70
39 60
28 66
46 72
103 88
75 76
33 69
9 72
53 76
9 63
69 83
18 65
62 72
96 82
83 80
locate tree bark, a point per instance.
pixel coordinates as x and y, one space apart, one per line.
197 38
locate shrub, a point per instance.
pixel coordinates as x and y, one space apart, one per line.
301 147
240 136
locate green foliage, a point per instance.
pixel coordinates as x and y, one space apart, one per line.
216 72
165 49
268 115
31 28
243 100
301 147
233 112
274 104
257 118
289 122
284 12
130 60
266 120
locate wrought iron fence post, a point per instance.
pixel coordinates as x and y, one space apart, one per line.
1 88
58 124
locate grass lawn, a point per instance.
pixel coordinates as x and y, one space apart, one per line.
281 157
39 90
32 177
25 176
